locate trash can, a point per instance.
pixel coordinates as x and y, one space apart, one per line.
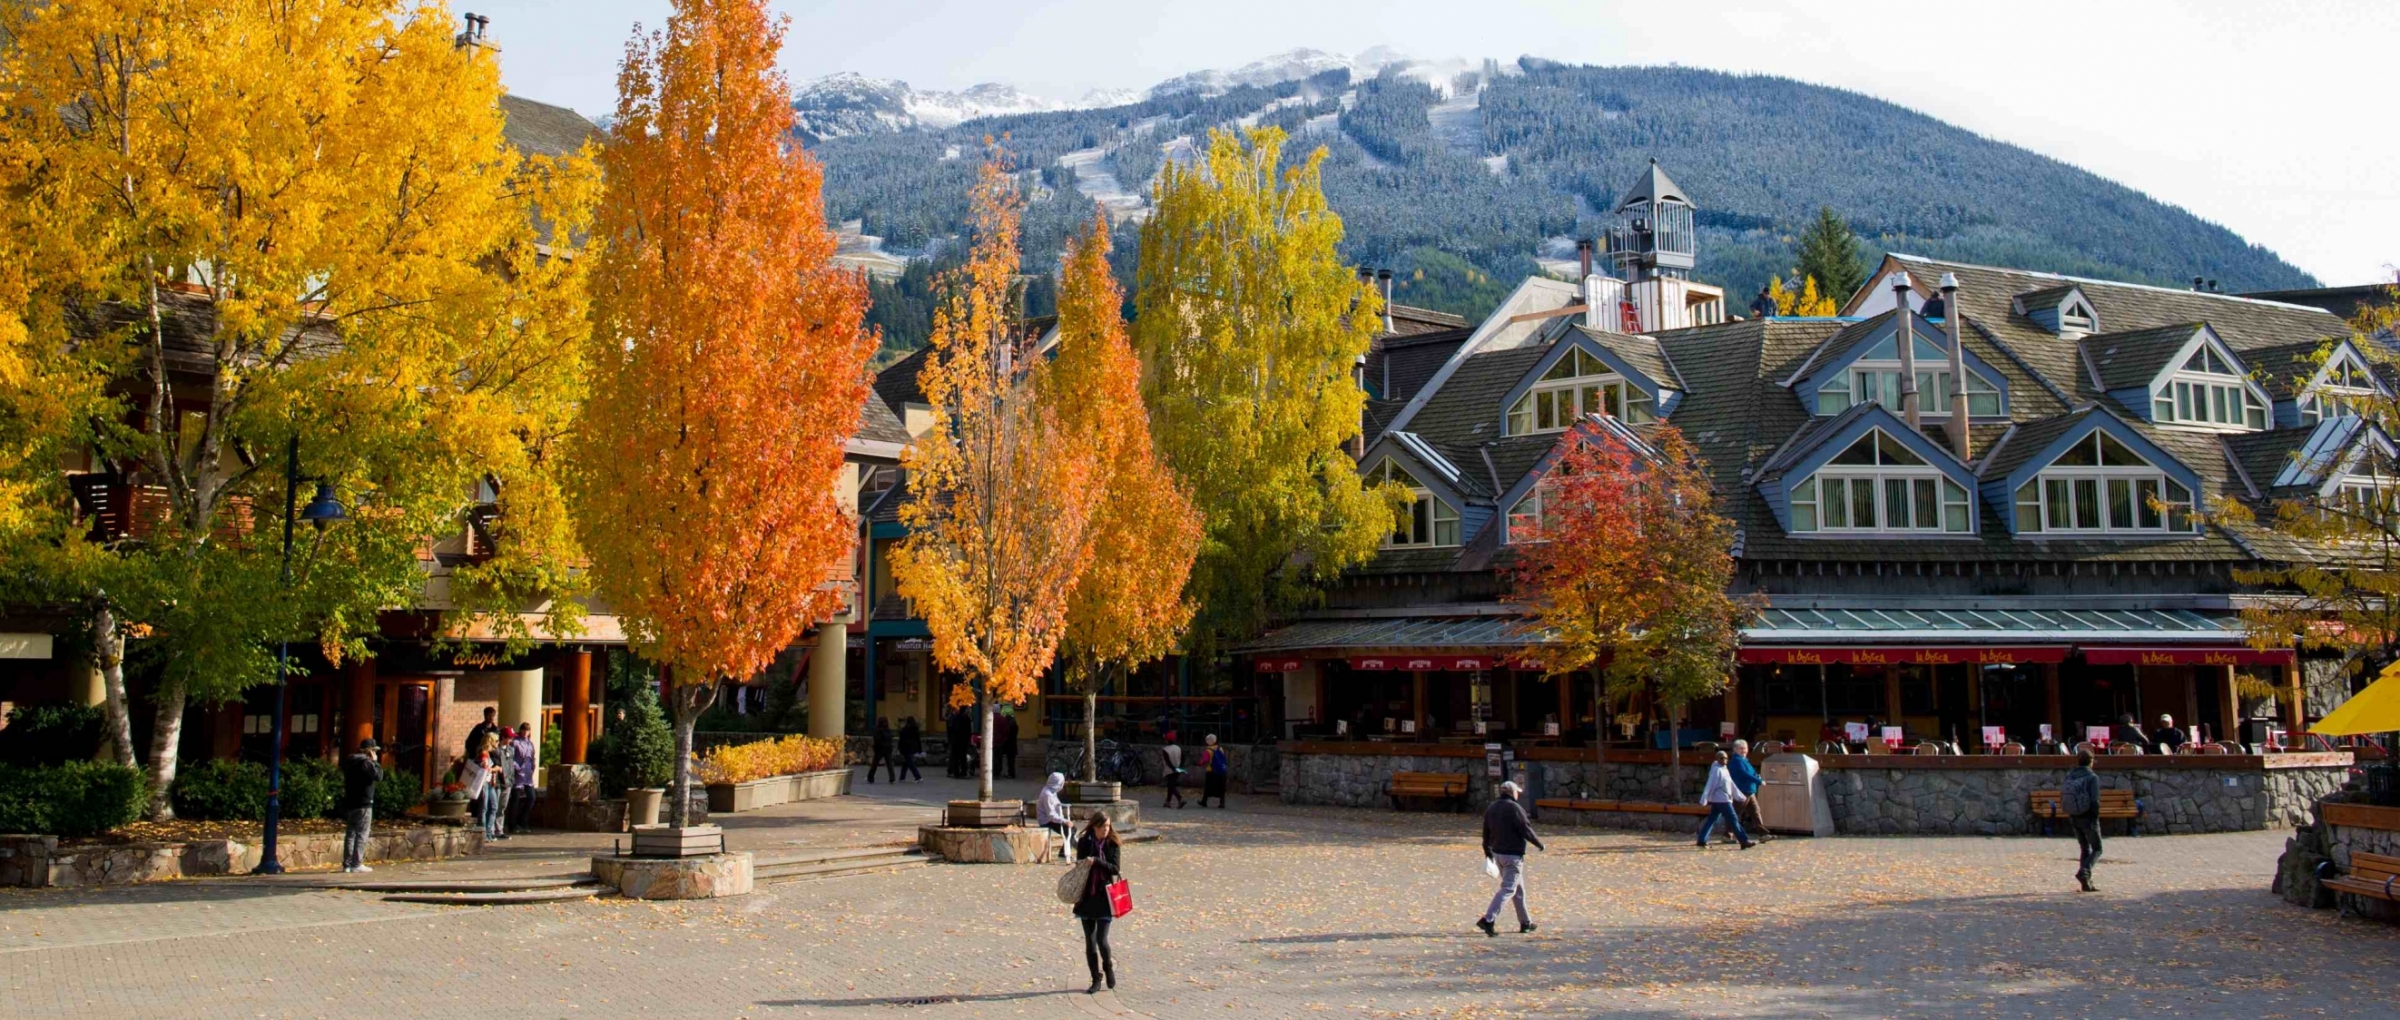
1791 797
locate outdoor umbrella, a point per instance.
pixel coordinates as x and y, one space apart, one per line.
2374 710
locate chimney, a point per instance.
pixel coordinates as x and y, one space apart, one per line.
1358 442
1959 441
476 33
2214 289
1384 277
2196 282
1583 258
1906 340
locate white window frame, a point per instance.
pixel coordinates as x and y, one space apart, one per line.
2343 378
1589 387
1812 507
1529 518
1882 375
2105 488
1422 525
2203 398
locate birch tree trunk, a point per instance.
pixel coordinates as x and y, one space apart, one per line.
108 658
688 701
983 752
166 732
1091 739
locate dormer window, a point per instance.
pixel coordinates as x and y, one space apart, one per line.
2075 319
1533 513
2344 388
2208 391
1875 379
1879 485
1579 384
1426 522
2100 486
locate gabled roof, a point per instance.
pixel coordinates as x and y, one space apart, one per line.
877 423
2265 456
1827 437
1517 319
1639 352
2046 297
540 129
897 383
2131 359
1653 187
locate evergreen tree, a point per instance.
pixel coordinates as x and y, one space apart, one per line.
1829 255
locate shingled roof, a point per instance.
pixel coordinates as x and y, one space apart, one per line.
2130 359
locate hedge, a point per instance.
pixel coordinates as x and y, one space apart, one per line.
226 791
79 798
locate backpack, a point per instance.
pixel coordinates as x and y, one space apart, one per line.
2076 797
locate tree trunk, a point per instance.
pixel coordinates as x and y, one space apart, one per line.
1091 740
688 702
108 657
1675 749
166 731
983 750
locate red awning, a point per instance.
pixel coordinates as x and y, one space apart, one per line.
1455 663
1905 656
2187 656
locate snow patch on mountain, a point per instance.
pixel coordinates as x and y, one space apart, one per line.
849 103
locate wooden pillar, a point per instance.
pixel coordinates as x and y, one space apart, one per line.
1733 709
1416 704
1891 700
2295 713
1975 696
2058 719
1566 705
2229 708
575 708
358 709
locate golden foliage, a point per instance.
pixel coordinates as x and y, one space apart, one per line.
762 759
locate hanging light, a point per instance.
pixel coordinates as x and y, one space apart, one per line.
324 509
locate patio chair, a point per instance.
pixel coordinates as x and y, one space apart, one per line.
2012 747
2125 749
1926 747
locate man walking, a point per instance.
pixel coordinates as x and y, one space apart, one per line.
1004 745
1719 796
880 755
912 747
360 774
961 734
1506 830
2079 798
1746 780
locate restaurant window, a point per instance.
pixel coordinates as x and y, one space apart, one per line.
1875 379
1879 485
1577 385
2208 391
2100 486
1426 521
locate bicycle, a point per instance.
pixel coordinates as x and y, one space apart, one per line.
1118 764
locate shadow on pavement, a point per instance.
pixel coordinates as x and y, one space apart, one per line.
917 1000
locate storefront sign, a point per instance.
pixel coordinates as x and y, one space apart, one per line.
1428 663
1905 656
2187 657
1280 665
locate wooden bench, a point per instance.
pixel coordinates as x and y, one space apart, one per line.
2373 876
2113 804
1443 786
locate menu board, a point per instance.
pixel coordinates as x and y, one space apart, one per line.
1993 737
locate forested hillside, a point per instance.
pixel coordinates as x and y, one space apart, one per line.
1459 188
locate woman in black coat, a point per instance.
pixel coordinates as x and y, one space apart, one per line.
1099 845
912 747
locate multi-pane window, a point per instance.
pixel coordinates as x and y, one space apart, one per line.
1426 521
2345 386
1532 514
1879 485
2368 497
2208 390
1875 379
1579 384
2100 486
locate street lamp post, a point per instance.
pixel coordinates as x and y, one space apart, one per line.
322 510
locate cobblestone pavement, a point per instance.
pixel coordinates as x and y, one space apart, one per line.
1264 911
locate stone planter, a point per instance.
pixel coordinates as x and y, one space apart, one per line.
446 809
773 790
1016 844
677 878
1123 815
1080 792
641 806
984 814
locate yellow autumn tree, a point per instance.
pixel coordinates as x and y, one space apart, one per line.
1129 604
267 231
728 366
1001 491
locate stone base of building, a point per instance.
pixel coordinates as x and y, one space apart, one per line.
38 862
677 878
1123 815
1012 845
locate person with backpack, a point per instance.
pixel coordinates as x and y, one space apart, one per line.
1217 766
360 775
2079 800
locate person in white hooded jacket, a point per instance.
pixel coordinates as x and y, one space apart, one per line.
1050 814
1720 795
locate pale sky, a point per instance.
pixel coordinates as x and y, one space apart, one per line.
2264 115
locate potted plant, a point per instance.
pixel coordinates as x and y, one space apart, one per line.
638 757
449 800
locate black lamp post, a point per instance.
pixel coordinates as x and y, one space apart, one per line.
322 510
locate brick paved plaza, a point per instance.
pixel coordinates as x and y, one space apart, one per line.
1258 911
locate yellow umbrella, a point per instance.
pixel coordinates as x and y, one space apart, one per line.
2374 710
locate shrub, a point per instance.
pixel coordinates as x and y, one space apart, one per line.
77 798
220 791
401 791
638 752
50 734
741 763
311 787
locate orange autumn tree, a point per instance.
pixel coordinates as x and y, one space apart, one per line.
728 364
1129 605
1001 492
1625 571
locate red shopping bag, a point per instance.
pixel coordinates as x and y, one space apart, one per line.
1120 898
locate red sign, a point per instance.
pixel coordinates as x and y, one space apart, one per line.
1904 656
1279 665
2187 657
1429 663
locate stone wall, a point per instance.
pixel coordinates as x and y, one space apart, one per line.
39 862
1870 800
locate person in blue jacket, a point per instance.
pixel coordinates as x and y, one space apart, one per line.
1746 779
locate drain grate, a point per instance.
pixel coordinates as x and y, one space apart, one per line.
930 1000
